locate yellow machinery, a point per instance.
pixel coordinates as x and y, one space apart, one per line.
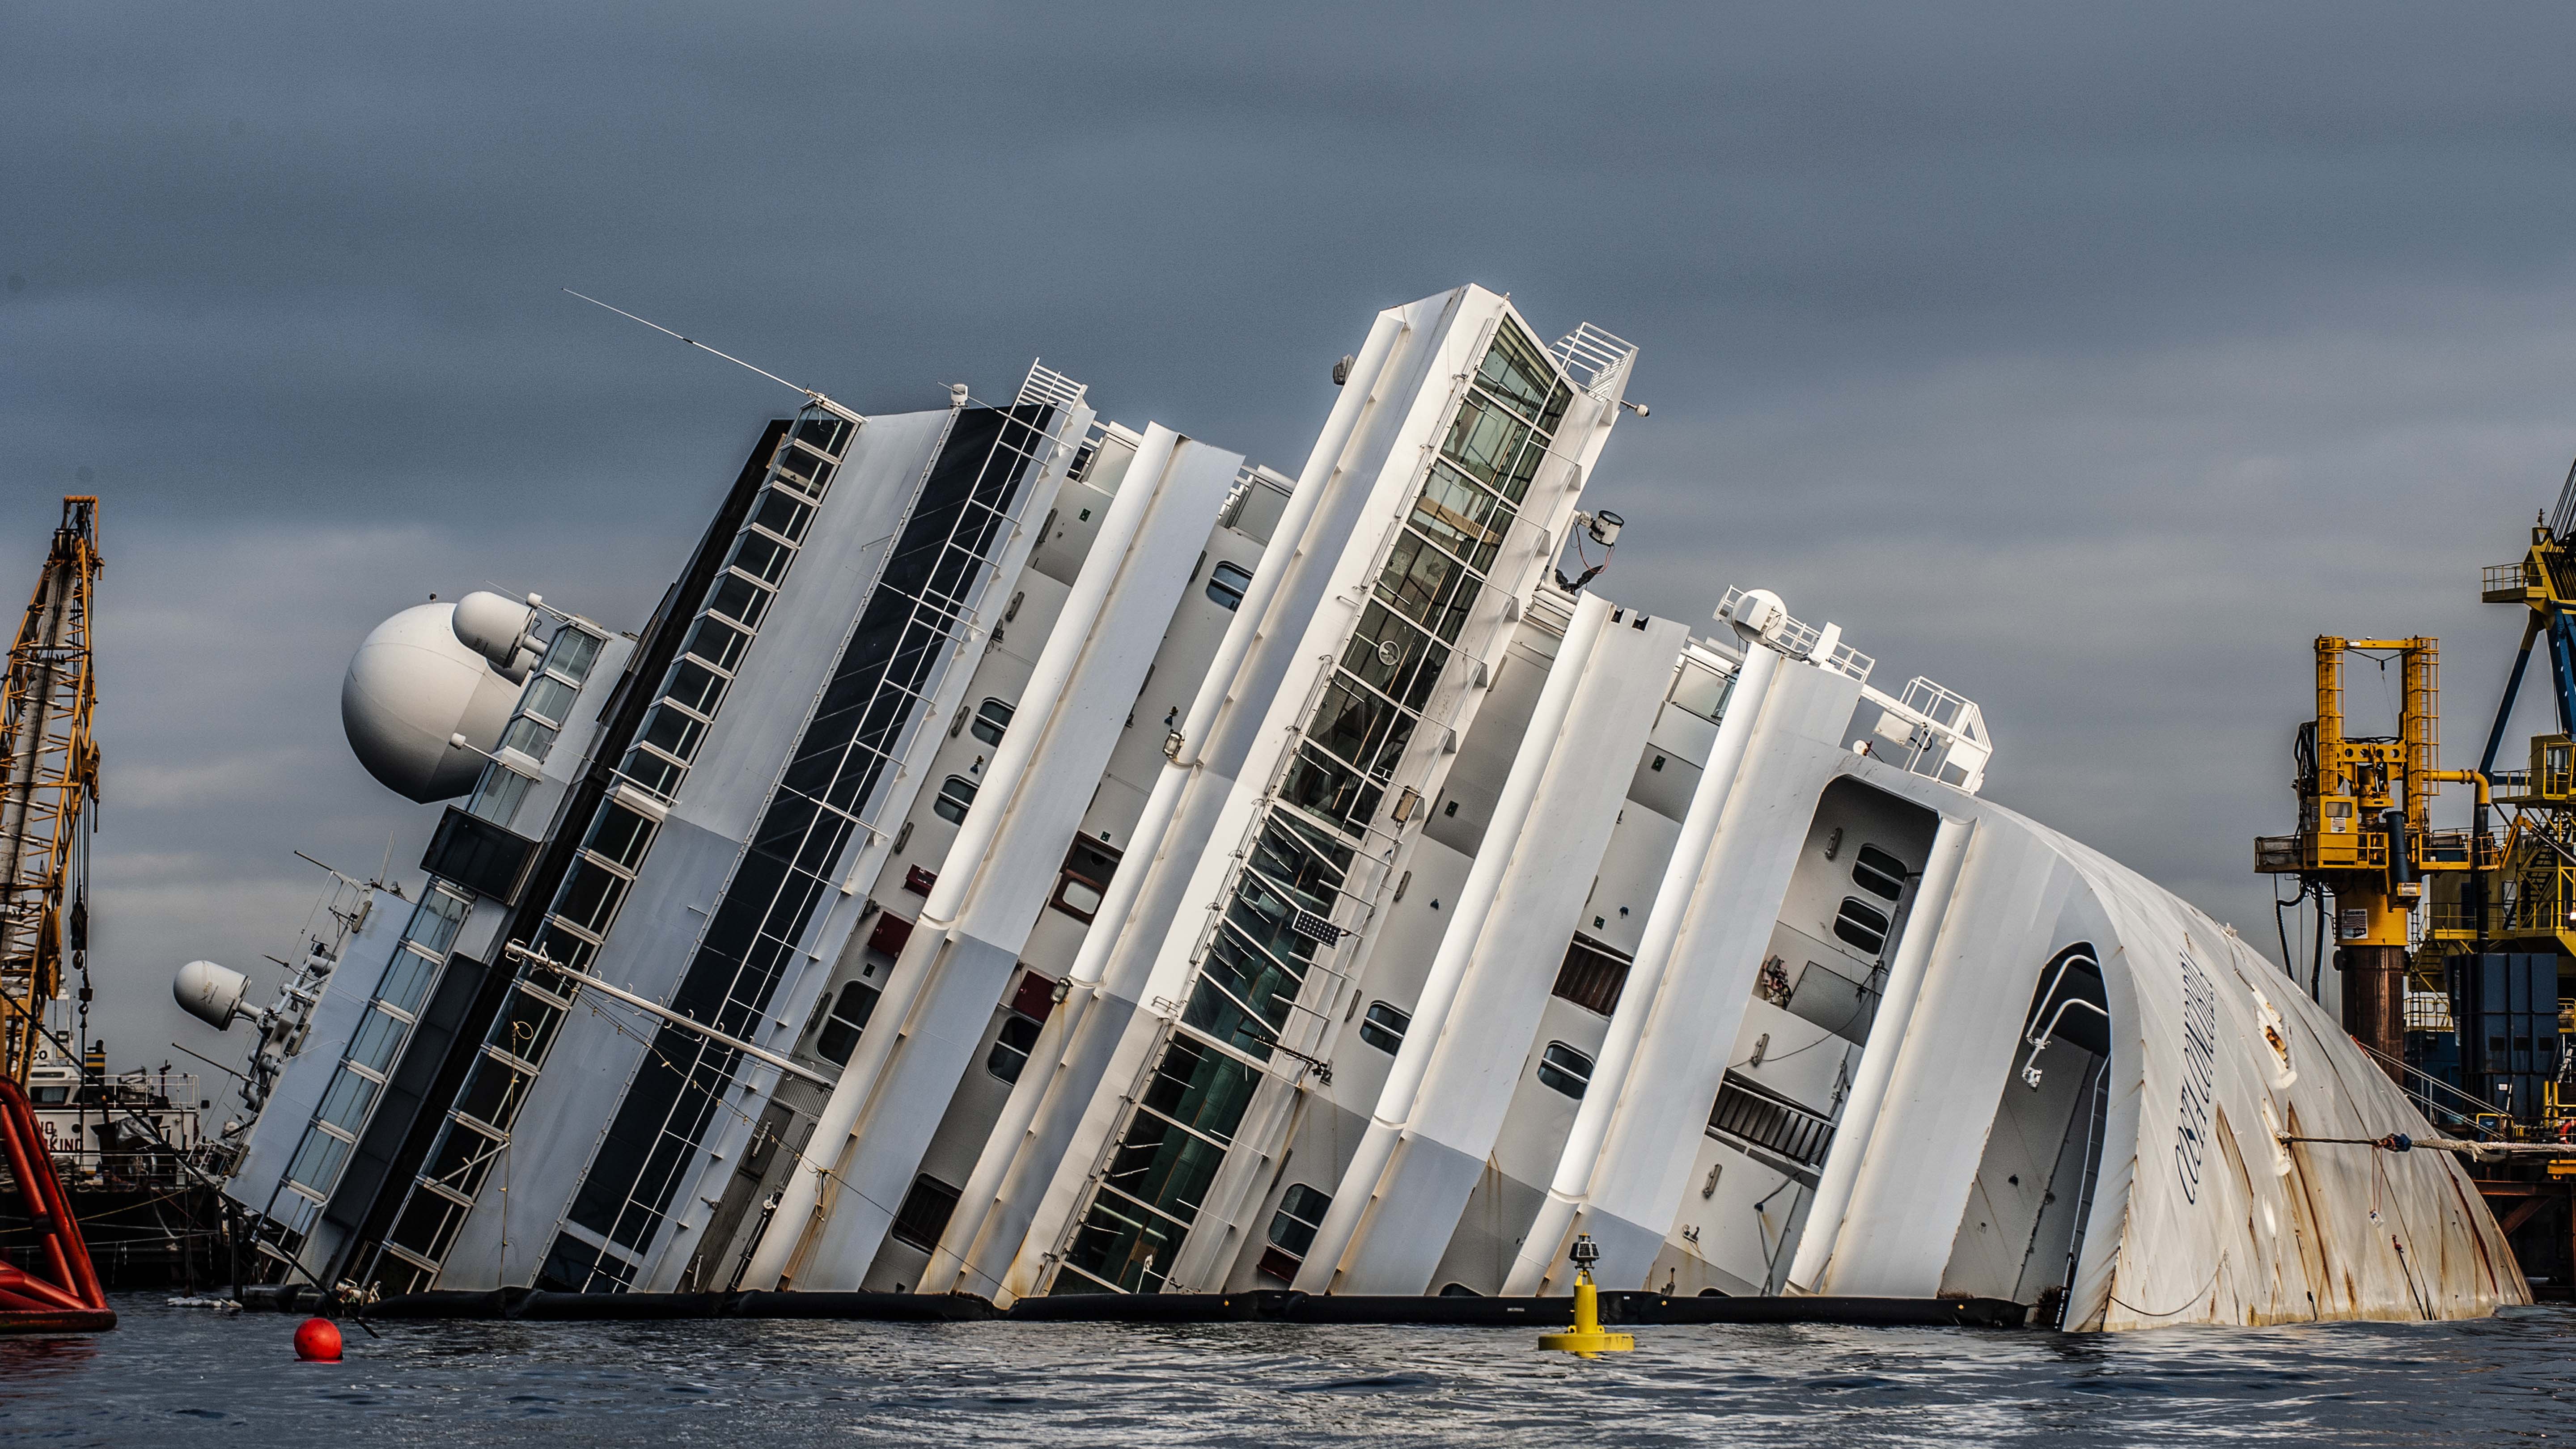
48 773
2536 909
2365 834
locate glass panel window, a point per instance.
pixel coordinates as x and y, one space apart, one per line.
992 717
590 897
407 979
492 1095
694 687
621 835
372 1046
955 794
497 795
804 469
345 1103
1564 1069
530 736
1394 658
1324 786
571 653
1361 727
317 1160
1861 924
1019 1036
1880 873
925 1213
783 514
674 733
1485 440
1418 578
434 922
762 557
1516 371
1301 1212
548 698
739 599
1201 1088
848 1017
1227 583
823 432
651 771
1384 1026
718 643
1461 517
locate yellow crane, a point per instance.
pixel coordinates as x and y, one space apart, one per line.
2365 835
48 774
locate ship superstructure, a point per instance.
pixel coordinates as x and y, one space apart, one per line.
1031 855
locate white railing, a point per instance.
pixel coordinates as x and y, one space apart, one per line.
1046 385
1596 360
1800 640
1941 731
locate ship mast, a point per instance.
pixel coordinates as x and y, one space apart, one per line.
48 773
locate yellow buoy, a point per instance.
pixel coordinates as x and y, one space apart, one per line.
1587 1338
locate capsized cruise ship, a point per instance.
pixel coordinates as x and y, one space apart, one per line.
1027 854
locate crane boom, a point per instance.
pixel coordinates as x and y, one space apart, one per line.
48 774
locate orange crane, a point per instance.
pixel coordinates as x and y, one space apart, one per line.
48 774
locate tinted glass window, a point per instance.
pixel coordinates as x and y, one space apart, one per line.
1301 1211
1564 1069
1861 924
1384 1026
1011 1049
1880 873
955 794
850 1012
1226 584
992 717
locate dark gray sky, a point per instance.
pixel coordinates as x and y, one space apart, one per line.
2086 359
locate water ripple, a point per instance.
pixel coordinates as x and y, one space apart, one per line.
183 1376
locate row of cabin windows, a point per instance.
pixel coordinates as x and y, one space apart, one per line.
1857 922
846 1016
990 721
1560 1067
1079 889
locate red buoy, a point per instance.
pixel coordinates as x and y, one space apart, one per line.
317 1340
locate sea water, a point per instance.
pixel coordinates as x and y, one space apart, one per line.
183 1376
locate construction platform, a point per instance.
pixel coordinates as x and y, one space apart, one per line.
1265 1306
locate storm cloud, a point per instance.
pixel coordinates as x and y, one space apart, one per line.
2089 360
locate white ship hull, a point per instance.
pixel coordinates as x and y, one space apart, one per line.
1248 882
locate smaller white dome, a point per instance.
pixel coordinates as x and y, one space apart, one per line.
502 630
210 993
412 685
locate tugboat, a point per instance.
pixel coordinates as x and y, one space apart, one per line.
130 1152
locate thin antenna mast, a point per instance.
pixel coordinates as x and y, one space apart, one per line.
818 399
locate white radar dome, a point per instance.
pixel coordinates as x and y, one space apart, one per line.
210 993
411 687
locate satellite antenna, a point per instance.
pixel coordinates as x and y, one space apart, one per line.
818 399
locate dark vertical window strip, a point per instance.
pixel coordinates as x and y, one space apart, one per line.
915 610
424 1230
407 1141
